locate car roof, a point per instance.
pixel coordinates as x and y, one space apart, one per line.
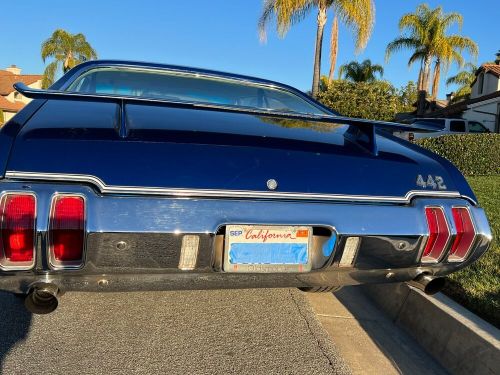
79 69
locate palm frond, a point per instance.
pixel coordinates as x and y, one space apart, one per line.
452 18
264 19
464 77
49 74
286 13
399 44
359 16
418 55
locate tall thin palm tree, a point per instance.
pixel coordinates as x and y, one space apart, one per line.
450 48
356 14
67 50
463 79
361 72
426 34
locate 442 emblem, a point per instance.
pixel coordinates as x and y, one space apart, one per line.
433 182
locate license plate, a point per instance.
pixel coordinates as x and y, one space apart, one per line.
267 249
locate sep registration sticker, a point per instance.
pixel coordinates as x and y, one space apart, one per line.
256 248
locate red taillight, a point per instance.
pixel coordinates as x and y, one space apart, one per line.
18 230
439 234
465 234
67 230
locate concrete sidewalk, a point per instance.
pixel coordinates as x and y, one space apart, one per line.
367 339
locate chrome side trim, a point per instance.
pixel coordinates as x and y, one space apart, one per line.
218 193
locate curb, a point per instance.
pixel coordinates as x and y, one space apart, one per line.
461 341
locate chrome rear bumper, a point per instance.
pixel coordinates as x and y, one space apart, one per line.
133 242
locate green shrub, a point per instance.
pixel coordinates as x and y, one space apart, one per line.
473 154
377 100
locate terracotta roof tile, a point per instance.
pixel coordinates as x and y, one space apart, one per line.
10 106
7 79
491 68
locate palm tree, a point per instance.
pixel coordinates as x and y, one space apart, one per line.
464 79
68 50
356 14
426 35
450 49
361 72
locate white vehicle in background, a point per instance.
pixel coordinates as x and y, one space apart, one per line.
443 126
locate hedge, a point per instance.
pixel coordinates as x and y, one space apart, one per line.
473 154
377 100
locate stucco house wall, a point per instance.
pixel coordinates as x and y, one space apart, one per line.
489 74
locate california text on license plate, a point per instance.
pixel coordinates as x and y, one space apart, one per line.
260 248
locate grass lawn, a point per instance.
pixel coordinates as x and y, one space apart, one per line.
477 287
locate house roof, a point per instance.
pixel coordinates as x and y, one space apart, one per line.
7 79
441 103
438 103
490 68
6 105
487 68
459 107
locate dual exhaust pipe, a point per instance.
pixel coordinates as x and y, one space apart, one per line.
428 284
43 298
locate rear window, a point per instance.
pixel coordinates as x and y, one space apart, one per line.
192 88
457 126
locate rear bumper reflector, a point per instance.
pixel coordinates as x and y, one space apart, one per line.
350 250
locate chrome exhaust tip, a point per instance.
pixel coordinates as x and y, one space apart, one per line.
428 284
42 298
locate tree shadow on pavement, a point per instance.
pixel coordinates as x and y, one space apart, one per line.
15 323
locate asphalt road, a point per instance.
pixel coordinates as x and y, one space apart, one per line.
271 331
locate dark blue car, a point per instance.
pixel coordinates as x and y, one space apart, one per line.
129 176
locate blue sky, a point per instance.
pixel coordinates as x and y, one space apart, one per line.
222 35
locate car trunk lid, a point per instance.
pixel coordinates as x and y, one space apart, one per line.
146 145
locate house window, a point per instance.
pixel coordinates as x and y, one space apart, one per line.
17 96
480 83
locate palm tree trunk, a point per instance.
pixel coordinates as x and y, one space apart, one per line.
317 52
420 83
435 81
67 60
426 74
334 44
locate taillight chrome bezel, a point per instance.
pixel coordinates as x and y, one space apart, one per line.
451 258
55 264
6 265
425 259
